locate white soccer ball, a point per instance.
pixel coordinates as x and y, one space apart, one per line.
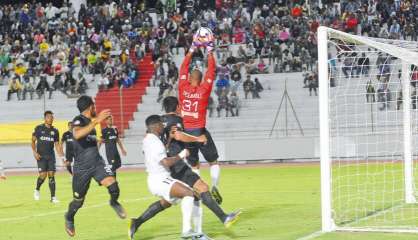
204 35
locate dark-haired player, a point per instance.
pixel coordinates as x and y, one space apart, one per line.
67 141
161 184
44 138
110 137
88 164
194 93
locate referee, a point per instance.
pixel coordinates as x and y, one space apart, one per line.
88 163
44 138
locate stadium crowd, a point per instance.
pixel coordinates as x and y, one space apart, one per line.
43 45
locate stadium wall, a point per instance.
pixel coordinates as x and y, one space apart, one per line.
20 155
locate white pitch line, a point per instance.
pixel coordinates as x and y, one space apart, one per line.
312 235
62 212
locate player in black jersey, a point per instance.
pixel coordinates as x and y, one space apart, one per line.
67 141
110 137
88 163
44 138
174 139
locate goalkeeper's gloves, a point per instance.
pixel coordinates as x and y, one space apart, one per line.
210 46
195 44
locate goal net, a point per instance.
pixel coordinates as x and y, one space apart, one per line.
368 132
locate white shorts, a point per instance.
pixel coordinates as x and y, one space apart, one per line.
160 186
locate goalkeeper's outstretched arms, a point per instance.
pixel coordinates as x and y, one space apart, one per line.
211 71
184 68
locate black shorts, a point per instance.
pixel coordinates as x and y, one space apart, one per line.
208 150
187 176
82 178
114 160
46 164
69 156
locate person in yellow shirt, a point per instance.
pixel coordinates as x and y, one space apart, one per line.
44 47
14 87
91 58
107 45
20 69
124 57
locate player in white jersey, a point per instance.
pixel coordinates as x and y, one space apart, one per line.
162 185
157 163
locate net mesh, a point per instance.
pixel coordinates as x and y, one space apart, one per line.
367 132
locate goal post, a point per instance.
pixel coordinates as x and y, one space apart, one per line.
368 132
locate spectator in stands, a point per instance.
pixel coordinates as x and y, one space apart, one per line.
312 83
28 87
262 67
43 86
399 100
363 65
384 96
170 92
347 67
103 82
258 88
251 67
248 87
163 86
234 104
287 60
242 55
211 106
173 73
236 78
222 85
126 81
250 51
223 103
370 92
14 87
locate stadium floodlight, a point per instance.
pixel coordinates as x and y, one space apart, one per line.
368 132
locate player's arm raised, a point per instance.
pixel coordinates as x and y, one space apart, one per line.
170 161
80 132
209 78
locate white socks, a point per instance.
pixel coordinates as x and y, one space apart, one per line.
197 216
187 211
197 211
215 171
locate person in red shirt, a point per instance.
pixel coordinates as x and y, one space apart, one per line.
194 92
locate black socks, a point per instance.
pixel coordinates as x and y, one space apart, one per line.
114 192
52 186
73 208
209 202
39 183
152 210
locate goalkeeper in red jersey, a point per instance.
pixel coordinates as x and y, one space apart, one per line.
194 92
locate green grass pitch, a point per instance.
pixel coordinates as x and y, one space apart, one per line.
280 201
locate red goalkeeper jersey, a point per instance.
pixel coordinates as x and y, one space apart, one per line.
194 100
